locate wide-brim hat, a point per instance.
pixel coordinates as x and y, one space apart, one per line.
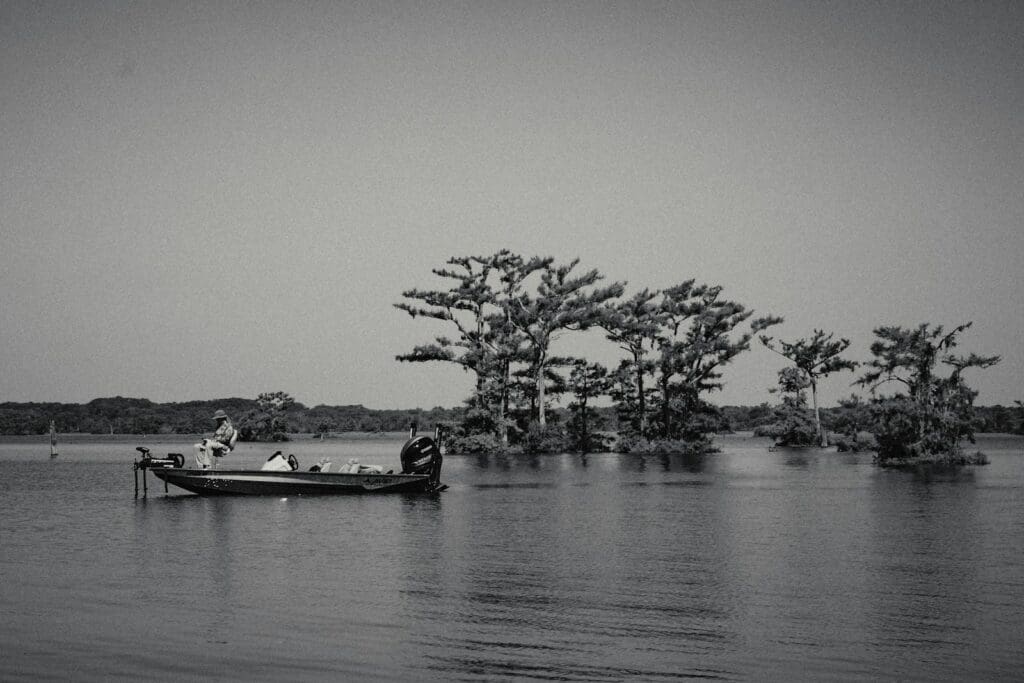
220 415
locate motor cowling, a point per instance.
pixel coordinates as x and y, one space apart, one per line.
421 455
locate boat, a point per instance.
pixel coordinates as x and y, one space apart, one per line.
421 470
256 482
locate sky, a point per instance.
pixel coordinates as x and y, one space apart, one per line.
205 200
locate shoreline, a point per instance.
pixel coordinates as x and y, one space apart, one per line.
81 437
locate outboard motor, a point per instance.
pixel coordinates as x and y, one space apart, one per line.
421 455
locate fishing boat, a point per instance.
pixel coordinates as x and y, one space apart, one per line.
421 471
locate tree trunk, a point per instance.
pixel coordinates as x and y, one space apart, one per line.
540 396
924 389
502 427
503 405
641 404
822 439
666 413
583 425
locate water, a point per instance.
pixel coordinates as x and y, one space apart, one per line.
741 565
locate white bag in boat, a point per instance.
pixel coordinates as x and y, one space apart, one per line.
276 463
371 469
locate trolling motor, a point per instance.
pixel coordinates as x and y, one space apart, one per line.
422 455
148 462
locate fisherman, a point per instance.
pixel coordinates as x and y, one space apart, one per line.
218 445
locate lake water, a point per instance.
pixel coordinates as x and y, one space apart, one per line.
746 564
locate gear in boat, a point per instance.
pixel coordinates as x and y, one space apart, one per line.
420 456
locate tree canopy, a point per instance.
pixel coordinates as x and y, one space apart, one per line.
929 415
815 358
507 311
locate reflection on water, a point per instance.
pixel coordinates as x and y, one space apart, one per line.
742 564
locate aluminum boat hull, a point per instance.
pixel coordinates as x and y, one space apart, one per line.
270 483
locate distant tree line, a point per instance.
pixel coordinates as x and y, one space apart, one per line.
255 420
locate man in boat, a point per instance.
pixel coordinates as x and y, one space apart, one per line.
218 445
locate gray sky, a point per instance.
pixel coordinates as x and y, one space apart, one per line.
204 200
